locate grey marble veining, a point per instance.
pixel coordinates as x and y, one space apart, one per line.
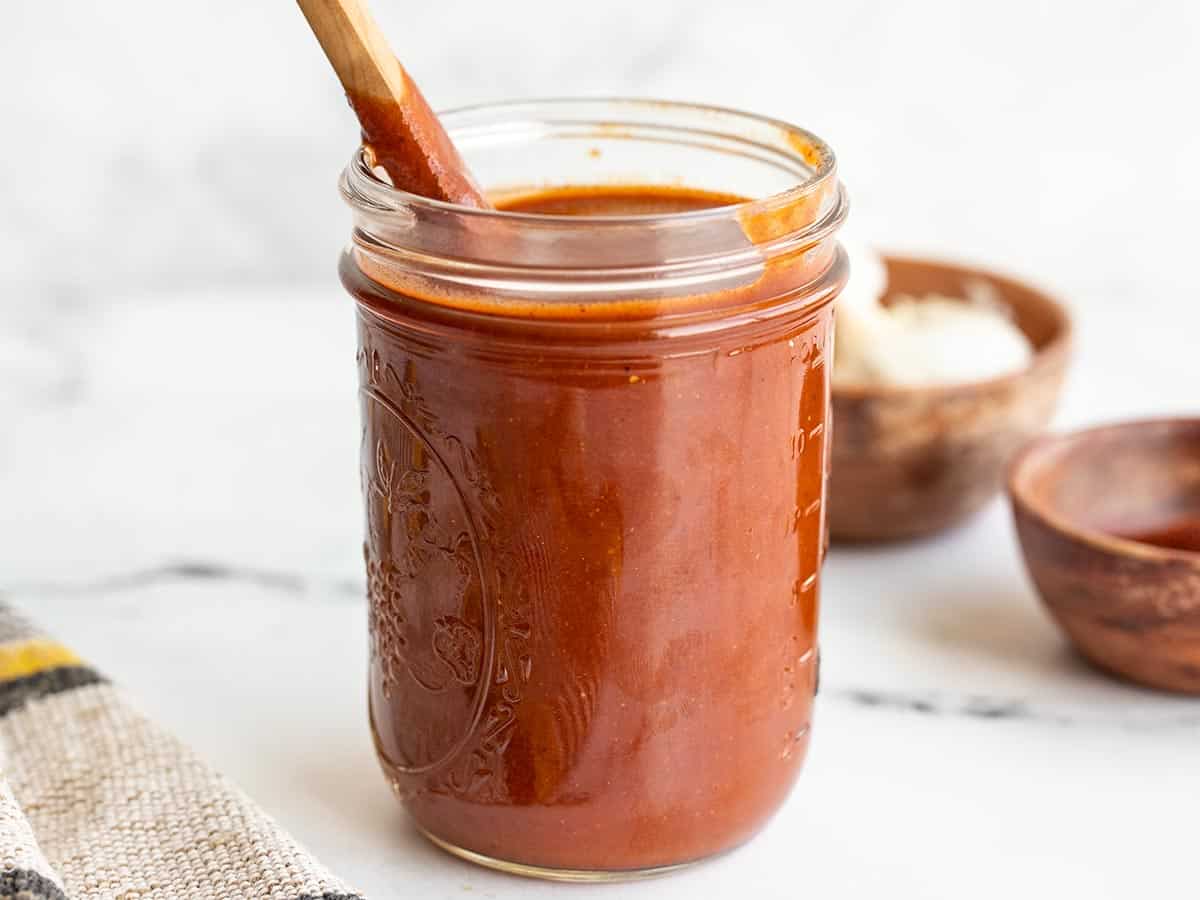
866 687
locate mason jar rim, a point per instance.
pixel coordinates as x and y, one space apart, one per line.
361 186
545 263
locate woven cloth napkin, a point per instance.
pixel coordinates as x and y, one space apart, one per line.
99 803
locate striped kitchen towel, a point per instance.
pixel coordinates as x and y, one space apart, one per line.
98 803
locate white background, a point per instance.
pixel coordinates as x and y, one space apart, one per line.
167 200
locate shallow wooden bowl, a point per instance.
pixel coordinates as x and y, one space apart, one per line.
910 461
1131 607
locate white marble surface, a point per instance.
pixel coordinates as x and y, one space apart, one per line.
178 489
185 512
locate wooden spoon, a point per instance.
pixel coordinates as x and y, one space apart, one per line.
399 130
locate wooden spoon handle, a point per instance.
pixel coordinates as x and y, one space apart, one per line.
401 133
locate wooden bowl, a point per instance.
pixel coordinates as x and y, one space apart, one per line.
910 461
1131 607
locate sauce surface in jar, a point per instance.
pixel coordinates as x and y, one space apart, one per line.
593 552
613 200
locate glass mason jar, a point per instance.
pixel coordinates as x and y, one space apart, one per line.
594 454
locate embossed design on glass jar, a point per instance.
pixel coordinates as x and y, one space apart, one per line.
449 645
459 646
478 774
430 619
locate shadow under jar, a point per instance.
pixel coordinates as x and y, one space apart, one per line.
594 454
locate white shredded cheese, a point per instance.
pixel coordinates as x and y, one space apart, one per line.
924 340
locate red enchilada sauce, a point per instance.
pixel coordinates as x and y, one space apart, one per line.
1182 534
593 551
